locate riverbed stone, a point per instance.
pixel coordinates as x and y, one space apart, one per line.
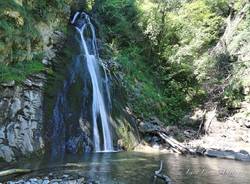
242 156
220 154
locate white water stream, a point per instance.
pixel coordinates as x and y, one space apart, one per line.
98 104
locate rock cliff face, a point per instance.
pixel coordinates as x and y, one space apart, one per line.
21 117
21 104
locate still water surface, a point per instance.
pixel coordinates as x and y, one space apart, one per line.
138 168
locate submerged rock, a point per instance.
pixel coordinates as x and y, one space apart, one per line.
54 180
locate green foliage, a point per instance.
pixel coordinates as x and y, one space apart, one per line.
157 44
145 96
117 21
19 71
221 7
20 42
47 10
233 95
19 38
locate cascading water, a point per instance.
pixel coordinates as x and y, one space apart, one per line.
98 106
67 125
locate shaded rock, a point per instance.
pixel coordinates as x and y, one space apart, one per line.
6 153
2 134
220 154
148 127
21 118
244 152
4 103
15 106
155 139
33 82
242 156
155 121
8 84
152 125
200 151
46 181
7 93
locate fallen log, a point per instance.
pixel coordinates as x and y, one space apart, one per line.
14 171
175 145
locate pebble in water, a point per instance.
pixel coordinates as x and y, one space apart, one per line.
51 179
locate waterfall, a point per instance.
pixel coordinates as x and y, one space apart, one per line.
81 21
80 119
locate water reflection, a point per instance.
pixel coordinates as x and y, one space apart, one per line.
138 168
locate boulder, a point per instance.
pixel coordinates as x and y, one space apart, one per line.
200 150
220 154
242 156
148 127
247 123
228 154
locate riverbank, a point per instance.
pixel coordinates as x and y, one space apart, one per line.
222 138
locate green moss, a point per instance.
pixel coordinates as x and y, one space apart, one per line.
126 136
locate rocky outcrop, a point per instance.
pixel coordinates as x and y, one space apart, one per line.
21 117
21 105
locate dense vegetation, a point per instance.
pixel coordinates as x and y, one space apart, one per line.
163 48
21 47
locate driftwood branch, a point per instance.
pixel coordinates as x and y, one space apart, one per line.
162 176
202 123
14 171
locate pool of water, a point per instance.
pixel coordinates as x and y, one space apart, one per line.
138 168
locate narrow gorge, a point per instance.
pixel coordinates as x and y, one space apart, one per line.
124 91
